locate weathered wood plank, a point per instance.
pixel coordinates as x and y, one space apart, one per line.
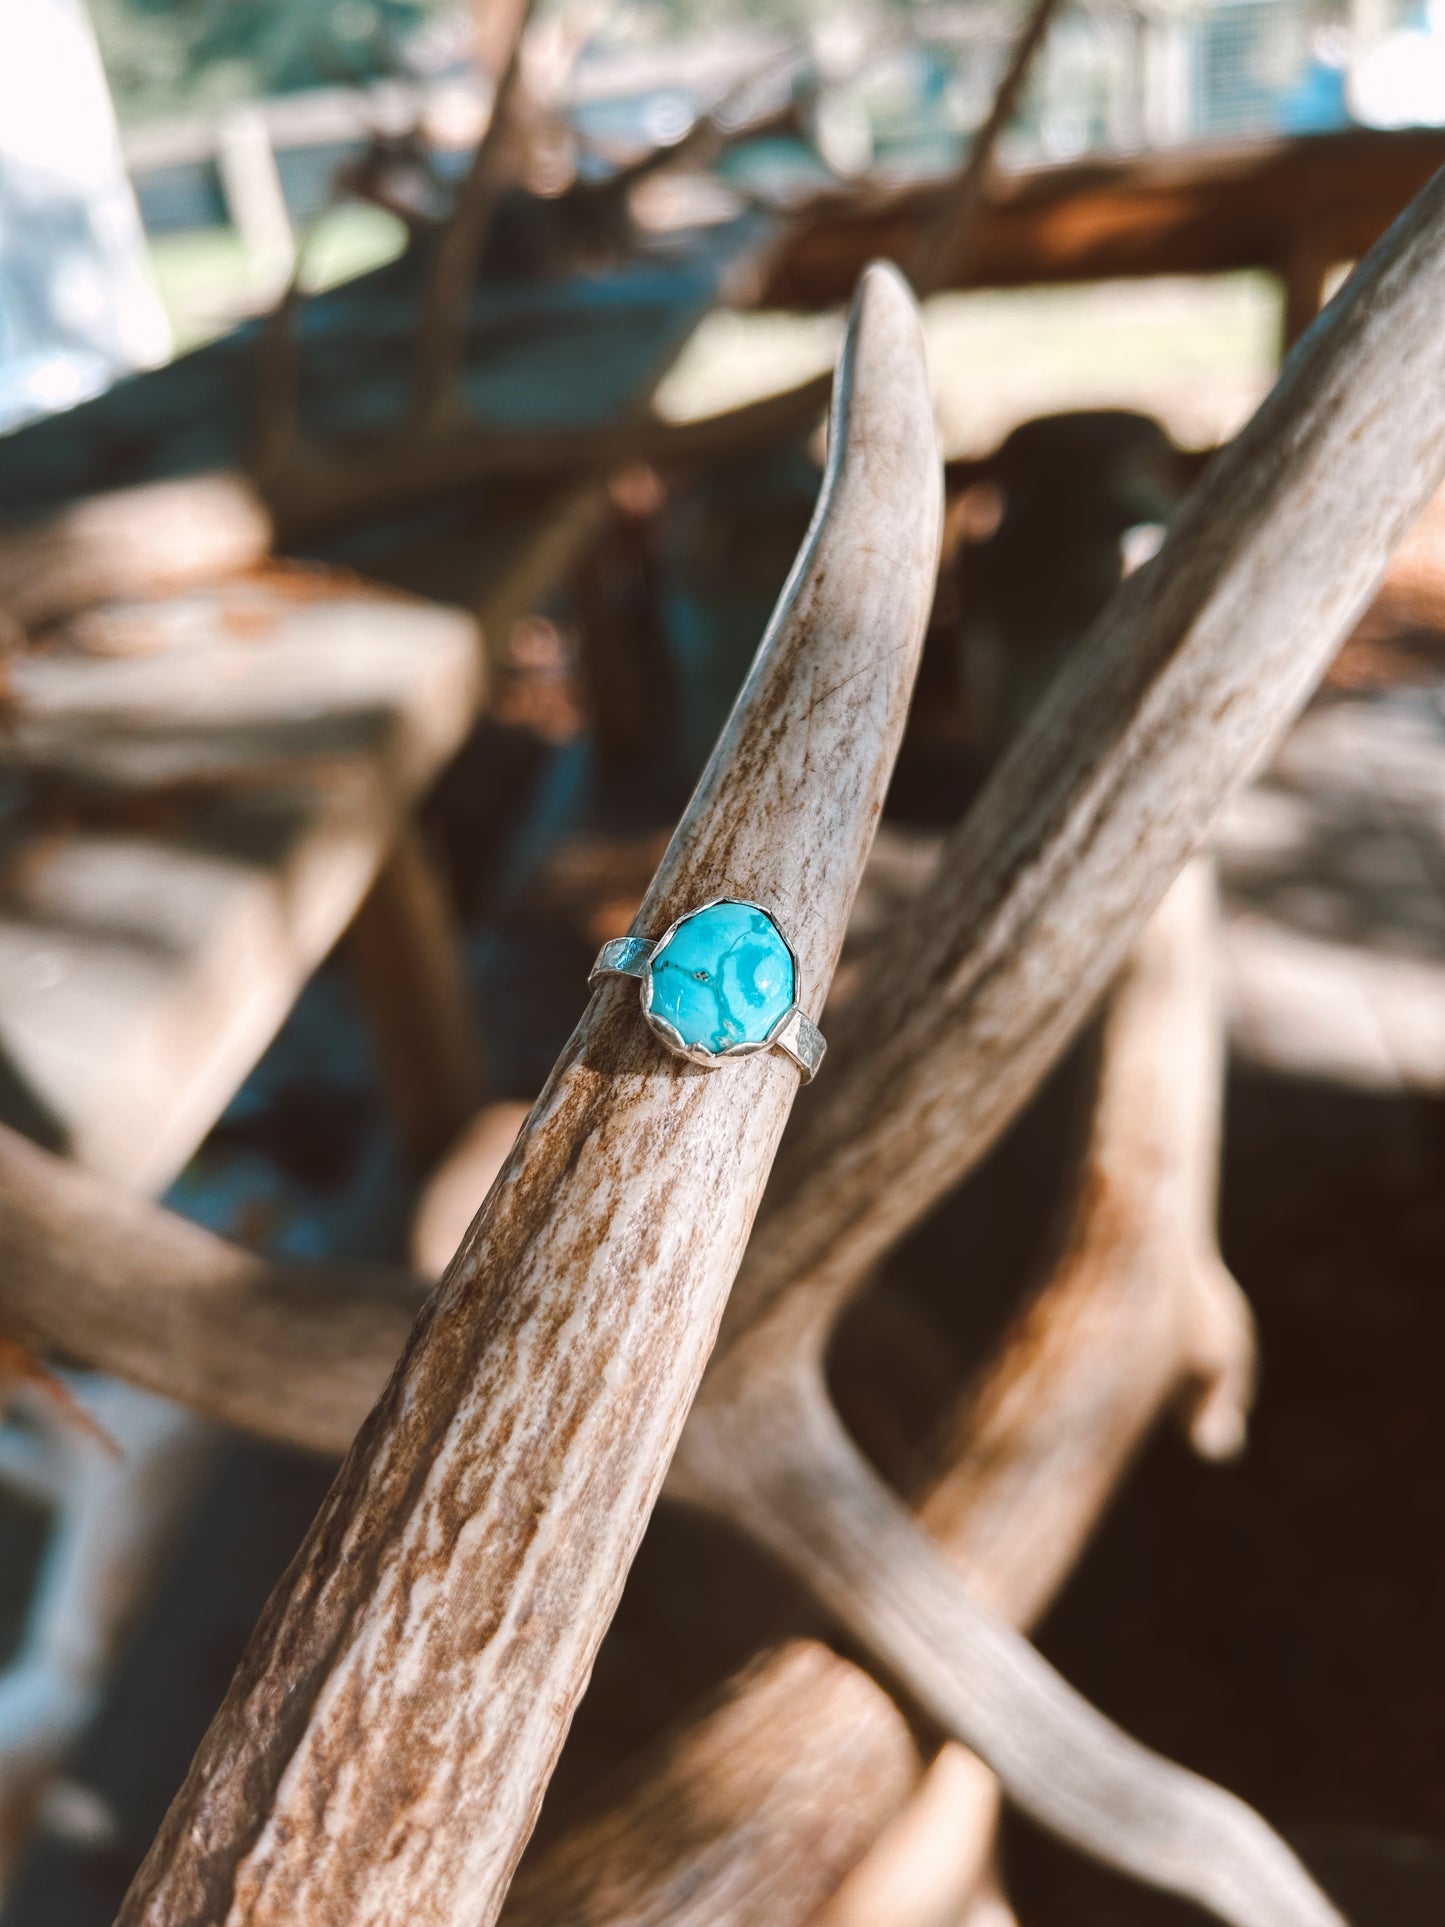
211 809
404 950
136 541
575 356
1334 864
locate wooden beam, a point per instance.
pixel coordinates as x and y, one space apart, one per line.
1214 209
129 542
292 1352
404 950
221 775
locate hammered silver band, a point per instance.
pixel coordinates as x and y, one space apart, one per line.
795 1033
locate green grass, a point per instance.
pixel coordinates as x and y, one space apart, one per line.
208 280
1199 354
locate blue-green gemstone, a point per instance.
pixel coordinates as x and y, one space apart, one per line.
724 977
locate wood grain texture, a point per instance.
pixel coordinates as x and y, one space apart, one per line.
130 542
384 1747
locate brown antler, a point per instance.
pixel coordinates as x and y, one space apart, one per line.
295 1352
1135 1314
1188 676
766 1449
386 1742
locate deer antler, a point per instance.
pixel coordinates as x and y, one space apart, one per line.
1135 1314
766 1449
295 1352
1173 699
1194 668
385 1745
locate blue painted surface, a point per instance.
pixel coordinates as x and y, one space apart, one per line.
577 351
723 978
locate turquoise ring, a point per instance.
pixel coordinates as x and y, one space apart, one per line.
721 982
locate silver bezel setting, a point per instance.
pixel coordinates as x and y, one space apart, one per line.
698 1054
795 1033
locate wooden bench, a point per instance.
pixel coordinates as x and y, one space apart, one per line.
207 786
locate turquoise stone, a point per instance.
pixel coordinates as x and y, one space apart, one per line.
724 977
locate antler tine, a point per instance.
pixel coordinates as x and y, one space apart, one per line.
1182 686
765 1448
385 1745
1137 1313
1112 1337
1190 674
828 1516
288 1351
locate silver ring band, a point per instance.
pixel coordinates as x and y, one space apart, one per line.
761 1027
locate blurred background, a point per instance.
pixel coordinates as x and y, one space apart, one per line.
322 784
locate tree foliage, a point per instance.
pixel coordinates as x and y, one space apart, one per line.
165 55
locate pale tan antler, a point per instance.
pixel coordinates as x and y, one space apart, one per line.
386 1742
765 1448
1135 1315
293 1352
1189 675
1184 683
